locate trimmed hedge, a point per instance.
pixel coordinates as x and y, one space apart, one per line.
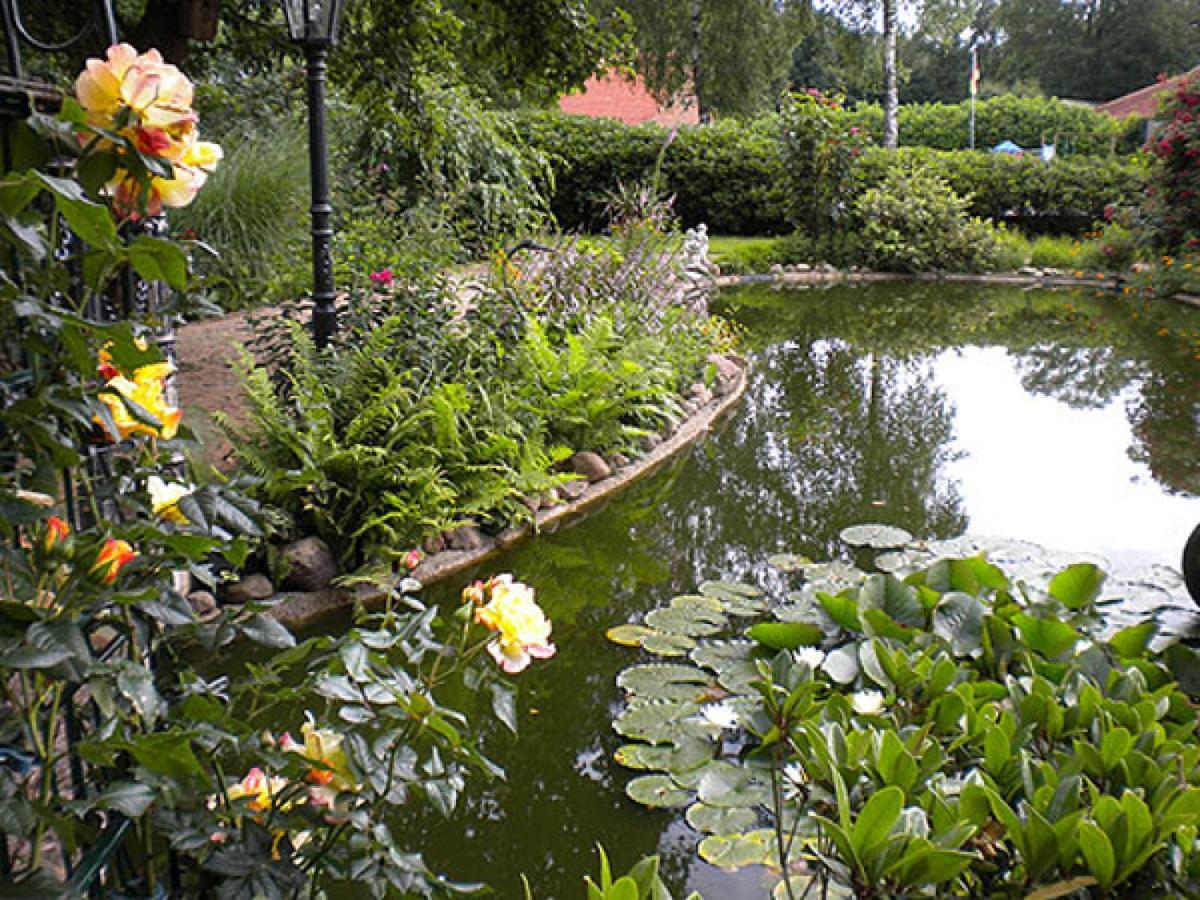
1066 195
1027 121
727 174
730 175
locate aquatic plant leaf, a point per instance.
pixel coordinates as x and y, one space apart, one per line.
662 644
842 664
737 678
658 792
717 655
644 756
958 619
808 886
842 608
877 537
719 588
726 786
664 681
697 602
751 848
836 574
689 622
894 597
1131 642
1049 637
788 562
629 635
658 721
721 819
786 635
1078 585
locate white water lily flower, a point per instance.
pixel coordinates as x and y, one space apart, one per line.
812 656
721 715
867 703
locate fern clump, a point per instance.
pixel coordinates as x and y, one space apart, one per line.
432 411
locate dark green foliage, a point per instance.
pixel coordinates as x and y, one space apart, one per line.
731 176
913 222
726 175
1065 195
1026 121
436 409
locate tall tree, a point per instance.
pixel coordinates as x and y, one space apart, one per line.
891 86
732 55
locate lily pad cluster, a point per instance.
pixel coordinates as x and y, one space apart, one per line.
970 718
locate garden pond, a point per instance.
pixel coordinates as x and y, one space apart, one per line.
1064 419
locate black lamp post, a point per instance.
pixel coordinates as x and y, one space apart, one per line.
313 24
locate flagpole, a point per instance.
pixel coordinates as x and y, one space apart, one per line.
974 90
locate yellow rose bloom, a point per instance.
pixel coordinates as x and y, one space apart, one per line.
523 629
145 389
165 497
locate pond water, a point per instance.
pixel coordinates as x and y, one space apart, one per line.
1066 419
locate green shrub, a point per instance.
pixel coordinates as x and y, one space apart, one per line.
1114 247
253 212
1065 195
1013 250
820 147
1027 121
1056 253
914 222
732 176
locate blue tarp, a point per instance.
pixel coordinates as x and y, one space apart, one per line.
1007 147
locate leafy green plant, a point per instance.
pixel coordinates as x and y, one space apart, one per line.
938 728
820 147
914 222
1056 253
252 214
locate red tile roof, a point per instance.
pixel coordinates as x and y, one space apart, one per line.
617 96
1143 103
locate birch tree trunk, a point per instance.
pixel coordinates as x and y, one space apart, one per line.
891 99
697 79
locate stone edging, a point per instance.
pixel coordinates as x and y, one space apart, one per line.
299 610
838 276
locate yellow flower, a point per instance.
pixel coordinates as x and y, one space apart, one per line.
523 629
145 389
165 497
259 788
156 99
322 746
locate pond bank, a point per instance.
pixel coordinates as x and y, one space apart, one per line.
297 610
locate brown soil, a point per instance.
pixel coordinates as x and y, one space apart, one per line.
207 351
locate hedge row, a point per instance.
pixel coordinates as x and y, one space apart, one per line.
1026 121
730 175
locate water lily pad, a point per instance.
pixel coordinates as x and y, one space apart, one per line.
720 588
751 848
688 621
698 602
662 644
629 635
721 819
644 756
738 677
788 562
728 785
877 537
835 575
664 681
658 722
658 791
717 655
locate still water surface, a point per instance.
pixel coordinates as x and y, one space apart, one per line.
1066 419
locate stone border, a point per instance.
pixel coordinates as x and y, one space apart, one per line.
297 610
837 276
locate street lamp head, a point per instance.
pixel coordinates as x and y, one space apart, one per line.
313 22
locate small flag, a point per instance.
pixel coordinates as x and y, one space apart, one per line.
974 74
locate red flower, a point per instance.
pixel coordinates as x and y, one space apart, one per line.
113 557
57 531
